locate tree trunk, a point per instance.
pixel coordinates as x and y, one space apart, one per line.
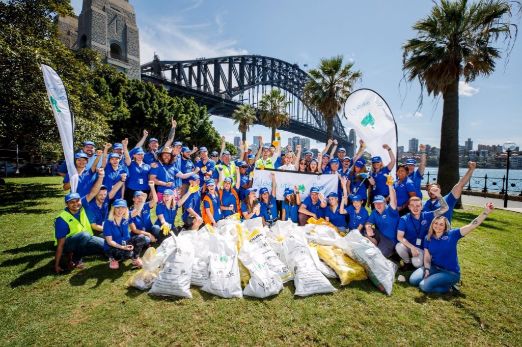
273 134
329 127
448 174
243 136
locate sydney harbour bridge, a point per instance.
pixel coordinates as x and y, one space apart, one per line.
223 83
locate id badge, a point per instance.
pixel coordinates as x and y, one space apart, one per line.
141 181
418 243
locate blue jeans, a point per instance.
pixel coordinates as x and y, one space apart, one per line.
83 244
438 281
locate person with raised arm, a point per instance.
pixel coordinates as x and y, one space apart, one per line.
191 200
113 171
206 165
324 157
357 213
187 166
416 176
86 175
290 205
268 203
228 194
245 180
380 173
404 189
98 208
441 270
313 206
250 207
335 213
453 196
138 171
140 221
413 228
381 227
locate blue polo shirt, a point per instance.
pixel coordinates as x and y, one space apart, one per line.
356 218
244 182
291 211
416 178
149 157
269 210
138 176
359 186
186 166
193 202
244 209
165 173
443 251
432 205
168 213
118 233
314 208
227 199
402 189
85 181
143 221
386 222
112 176
415 230
96 214
335 217
381 188
208 167
216 205
176 165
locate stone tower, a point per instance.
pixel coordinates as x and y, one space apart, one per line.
109 27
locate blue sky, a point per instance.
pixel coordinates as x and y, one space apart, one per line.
370 33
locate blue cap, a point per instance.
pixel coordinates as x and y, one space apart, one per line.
356 198
185 149
177 143
308 152
411 161
117 145
227 179
326 155
360 163
242 164
251 156
80 155
333 195
287 192
251 190
193 177
265 146
210 182
341 149
376 159
214 154
119 203
153 139
203 149
263 190
138 193
168 192
347 159
138 150
72 196
313 159
335 161
314 190
226 153
114 155
379 198
88 143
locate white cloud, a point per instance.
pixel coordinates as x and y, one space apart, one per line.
415 114
466 89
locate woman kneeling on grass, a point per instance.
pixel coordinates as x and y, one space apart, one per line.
441 269
117 235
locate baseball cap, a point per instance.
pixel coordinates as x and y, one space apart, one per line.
376 159
356 198
333 195
203 149
378 198
287 192
360 163
226 153
250 190
341 150
178 143
153 139
263 190
193 178
334 161
72 196
326 155
185 149
314 190
227 179
119 203
308 153
411 161
210 182
138 150
117 145
114 155
214 154
88 143
251 156
138 193
168 192
80 155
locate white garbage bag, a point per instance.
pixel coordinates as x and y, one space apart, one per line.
200 241
174 277
327 271
322 234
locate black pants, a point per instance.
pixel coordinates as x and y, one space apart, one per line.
137 241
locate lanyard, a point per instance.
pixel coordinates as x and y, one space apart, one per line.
416 226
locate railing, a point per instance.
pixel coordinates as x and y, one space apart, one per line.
485 184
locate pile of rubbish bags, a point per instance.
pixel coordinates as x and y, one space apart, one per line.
246 258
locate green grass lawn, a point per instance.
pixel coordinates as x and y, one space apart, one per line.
93 306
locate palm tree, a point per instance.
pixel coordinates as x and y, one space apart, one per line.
273 110
244 115
456 40
329 87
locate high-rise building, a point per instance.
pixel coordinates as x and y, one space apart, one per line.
296 140
257 141
237 141
469 145
400 151
305 143
413 145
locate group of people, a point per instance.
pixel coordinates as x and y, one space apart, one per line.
119 190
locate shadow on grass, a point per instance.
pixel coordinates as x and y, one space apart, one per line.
44 250
46 246
34 275
23 198
100 273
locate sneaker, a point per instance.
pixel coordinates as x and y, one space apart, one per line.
114 264
137 263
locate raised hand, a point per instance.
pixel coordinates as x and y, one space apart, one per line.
472 165
435 191
194 149
99 152
145 133
107 146
422 147
174 123
386 147
125 142
151 184
335 142
489 207
101 172
123 177
222 139
330 141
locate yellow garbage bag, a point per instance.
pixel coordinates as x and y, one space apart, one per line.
345 267
145 277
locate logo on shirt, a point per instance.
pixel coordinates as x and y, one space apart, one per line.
424 222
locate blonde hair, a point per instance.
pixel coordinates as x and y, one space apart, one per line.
111 213
446 222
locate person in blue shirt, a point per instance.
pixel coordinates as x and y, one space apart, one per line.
268 203
152 153
228 196
358 182
453 196
413 228
97 208
138 172
416 176
154 150
187 166
441 270
245 180
250 207
114 173
118 243
335 213
164 173
381 227
313 206
191 201
211 204
140 221
86 175
333 167
290 206
357 213
345 167
404 189
205 165
166 211
379 173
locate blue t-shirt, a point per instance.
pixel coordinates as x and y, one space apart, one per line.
356 218
314 208
176 165
149 157
186 166
415 230
96 214
443 251
402 189
193 202
227 199
138 176
113 176
165 173
269 210
335 217
143 221
85 181
278 162
381 188
416 178
118 233
432 205
216 205
168 213
386 222
205 168
244 209
291 211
